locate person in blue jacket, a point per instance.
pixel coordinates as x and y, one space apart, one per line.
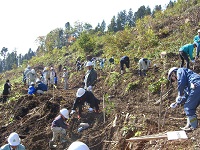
124 61
188 93
41 87
197 40
186 50
31 89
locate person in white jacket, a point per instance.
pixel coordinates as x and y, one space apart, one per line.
77 145
65 78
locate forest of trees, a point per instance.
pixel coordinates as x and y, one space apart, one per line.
59 37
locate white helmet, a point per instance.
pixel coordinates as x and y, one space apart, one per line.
33 71
14 139
28 67
170 72
32 83
80 92
77 145
89 63
37 80
65 113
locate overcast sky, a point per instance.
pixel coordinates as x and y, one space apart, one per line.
22 21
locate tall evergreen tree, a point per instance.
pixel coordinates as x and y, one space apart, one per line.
112 27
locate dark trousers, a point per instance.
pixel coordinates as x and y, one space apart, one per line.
5 97
183 57
122 62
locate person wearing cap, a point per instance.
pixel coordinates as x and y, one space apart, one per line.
31 89
31 76
90 77
65 78
25 74
186 50
52 75
41 87
83 96
188 93
197 40
78 145
59 127
13 143
111 60
124 61
144 64
6 90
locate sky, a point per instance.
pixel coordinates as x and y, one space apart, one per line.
22 21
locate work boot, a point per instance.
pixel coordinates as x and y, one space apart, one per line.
192 123
144 72
51 144
140 73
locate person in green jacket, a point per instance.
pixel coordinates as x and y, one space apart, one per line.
186 50
197 40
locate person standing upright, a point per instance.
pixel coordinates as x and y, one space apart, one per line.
124 61
65 78
52 75
186 50
197 40
6 90
90 77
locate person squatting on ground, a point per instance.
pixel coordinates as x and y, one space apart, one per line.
6 90
78 145
41 87
111 60
31 89
13 143
188 93
90 77
83 96
124 61
186 50
197 40
65 78
144 64
59 127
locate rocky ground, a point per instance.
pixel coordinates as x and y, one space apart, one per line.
128 114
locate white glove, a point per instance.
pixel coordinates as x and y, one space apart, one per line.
173 105
179 99
72 112
89 88
90 109
193 61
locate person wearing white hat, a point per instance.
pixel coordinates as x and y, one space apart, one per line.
188 83
144 64
83 96
31 76
13 143
65 78
25 74
31 89
90 77
197 40
59 127
77 145
52 75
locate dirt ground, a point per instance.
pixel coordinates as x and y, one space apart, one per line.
130 114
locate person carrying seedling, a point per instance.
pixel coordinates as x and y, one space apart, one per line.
59 127
13 143
188 93
186 50
124 61
83 96
144 64
90 77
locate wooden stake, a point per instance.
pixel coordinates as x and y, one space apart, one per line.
160 108
104 113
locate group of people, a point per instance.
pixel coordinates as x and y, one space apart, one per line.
186 51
